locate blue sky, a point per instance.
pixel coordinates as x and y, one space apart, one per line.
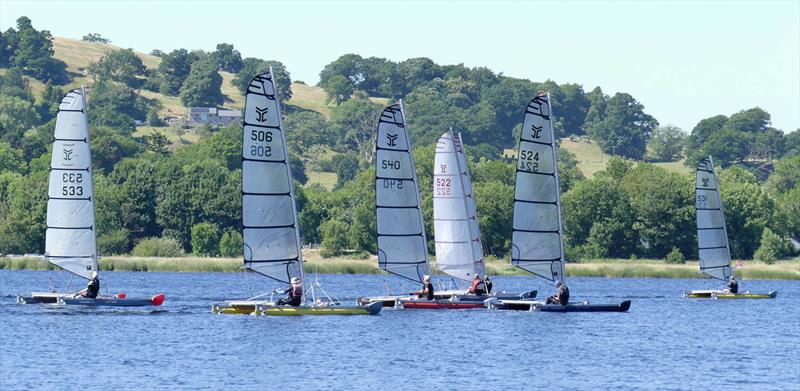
683 60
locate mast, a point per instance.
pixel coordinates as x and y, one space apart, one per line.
269 214
71 240
451 217
537 242
402 245
712 234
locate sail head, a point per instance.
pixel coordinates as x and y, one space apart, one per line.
269 216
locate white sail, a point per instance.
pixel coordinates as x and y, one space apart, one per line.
451 216
70 237
712 236
402 246
269 215
537 244
472 209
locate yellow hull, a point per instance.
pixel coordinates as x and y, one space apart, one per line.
272 310
726 295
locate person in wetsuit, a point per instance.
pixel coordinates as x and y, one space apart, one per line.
488 283
561 296
427 288
295 294
92 288
733 286
477 287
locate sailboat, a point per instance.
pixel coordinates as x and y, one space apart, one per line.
459 252
712 236
537 241
269 214
71 238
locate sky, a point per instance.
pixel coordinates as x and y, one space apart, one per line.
683 60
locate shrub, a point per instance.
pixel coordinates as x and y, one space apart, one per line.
158 247
772 247
205 239
114 242
231 244
675 256
334 238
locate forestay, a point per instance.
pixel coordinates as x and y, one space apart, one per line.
70 237
472 209
402 248
455 243
537 242
269 215
712 236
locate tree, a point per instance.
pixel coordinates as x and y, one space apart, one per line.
11 159
625 129
32 52
231 244
205 239
667 143
157 143
95 37
334 238
772 247
227 58
255 66
353 122
568 172
116 105
305 129
110 146
495 204
727 147
346 167
338 89
598 101
47 107
16 117
748 210
122 66
202 87
174 69
793 143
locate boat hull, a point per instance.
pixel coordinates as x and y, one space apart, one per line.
711 294
397 301
41 298
442 305
530 305
269 308
102 301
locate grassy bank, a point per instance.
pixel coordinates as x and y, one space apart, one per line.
617 268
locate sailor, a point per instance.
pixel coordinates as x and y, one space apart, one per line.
733 286
295 294
427 288
488 283
92 288
561 296
477 287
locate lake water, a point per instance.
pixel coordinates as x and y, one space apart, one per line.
664 342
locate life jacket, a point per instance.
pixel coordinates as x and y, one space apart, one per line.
297 290
476 284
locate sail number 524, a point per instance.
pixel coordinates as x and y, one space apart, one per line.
528 160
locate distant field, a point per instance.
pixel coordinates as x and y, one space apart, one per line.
326 179
612 268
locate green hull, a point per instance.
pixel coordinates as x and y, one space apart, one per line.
261 308
728 296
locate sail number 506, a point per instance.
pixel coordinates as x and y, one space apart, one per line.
262 136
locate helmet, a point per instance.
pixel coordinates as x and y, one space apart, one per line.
295 280
559 283
94 274
426 278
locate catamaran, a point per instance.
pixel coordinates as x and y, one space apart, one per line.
712 236
537 242
70 238
269 215
459 251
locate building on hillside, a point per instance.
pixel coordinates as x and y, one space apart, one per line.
213 116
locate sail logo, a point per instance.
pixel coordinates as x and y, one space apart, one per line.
536 130
705 182
444 168
538 107
68 154
261 113
391 139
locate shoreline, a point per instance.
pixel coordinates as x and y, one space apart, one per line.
612 268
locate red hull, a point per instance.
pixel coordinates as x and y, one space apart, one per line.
431 305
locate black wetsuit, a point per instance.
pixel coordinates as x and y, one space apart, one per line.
427 291
561 296
93 288
292 300
733 286
488 284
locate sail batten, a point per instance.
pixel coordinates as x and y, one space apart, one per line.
402 244
269 216
537 243
459 252
71 240
712 234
